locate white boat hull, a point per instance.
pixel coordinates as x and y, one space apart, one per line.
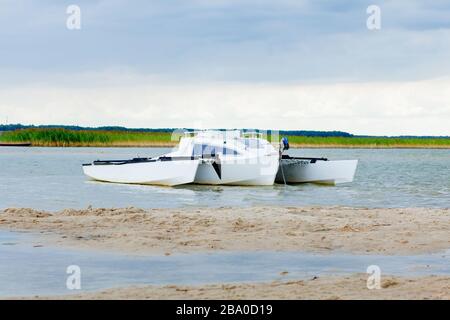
326 172
166 173
248 172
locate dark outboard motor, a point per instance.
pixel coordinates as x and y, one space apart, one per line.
284 144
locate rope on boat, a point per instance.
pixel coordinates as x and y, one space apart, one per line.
282 173
284 145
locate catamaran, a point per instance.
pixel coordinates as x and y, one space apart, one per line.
203 157
223 158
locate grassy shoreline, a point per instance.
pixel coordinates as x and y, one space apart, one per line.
82 138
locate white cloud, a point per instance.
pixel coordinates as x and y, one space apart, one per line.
379 108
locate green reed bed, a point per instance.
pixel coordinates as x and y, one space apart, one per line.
68 138
96 138
371 142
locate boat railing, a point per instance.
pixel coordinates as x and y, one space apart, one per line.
213 133
254 134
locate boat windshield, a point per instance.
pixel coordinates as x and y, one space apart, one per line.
208 150
253 143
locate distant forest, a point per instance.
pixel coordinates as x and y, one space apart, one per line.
305 133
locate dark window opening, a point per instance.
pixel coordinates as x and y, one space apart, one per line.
207 150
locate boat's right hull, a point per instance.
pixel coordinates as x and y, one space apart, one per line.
326 172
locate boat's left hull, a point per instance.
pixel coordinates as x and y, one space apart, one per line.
166 173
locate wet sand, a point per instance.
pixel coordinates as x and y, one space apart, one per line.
330 288
165 231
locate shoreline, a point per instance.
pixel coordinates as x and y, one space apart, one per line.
309 229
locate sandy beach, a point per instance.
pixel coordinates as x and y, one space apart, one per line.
166 231
310 229
321 288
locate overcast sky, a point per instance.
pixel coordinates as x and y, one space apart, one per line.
286 64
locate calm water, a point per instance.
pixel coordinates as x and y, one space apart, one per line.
52 179
28 270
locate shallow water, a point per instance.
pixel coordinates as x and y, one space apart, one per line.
28 270
52 179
